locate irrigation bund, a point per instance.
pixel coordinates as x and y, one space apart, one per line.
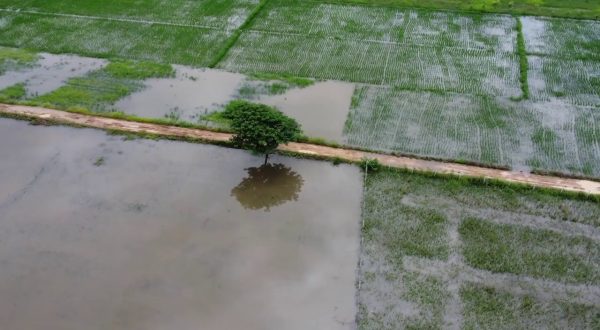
311 150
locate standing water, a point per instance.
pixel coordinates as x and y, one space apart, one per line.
321 108
50 72
101 233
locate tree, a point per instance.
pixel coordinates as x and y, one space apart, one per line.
258 127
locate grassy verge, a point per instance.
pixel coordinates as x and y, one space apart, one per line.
523 63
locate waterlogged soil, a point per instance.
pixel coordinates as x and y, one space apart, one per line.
50 72
101 233
321 108
188 95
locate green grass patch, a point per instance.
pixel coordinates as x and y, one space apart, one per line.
402 217
428 295
14 58
95 91
289 79
489 308
112 39
18 55
392 223
526 251
139 70
559 8
13 93
217 118
523 63
98 90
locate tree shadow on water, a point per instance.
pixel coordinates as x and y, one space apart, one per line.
267 186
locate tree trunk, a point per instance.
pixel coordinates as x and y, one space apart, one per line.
266 158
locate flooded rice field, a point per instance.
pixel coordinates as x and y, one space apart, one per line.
50 72
321 108
188 95
192 93
101 233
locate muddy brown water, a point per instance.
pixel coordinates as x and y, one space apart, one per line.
192 92
321 108
50 72
101 233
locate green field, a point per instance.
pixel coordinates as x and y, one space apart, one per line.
480 255
416 50
559 8
504 90
181 31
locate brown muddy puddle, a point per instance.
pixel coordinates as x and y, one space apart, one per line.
50 72
101 233
321 108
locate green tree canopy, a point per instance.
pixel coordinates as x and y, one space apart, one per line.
258 127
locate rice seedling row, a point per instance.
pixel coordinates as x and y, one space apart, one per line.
551 135
98 38
558 8
210 13
565 38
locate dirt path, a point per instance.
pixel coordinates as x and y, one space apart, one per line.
586 186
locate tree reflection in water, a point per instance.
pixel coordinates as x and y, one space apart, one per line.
267 186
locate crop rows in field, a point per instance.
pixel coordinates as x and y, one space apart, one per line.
332 21
409 67
576 81
210 13
478 256
549 135
571 39
564 60
177 31
410 49
444 125
102 38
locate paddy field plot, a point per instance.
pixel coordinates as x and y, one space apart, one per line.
565 38
184 32
559 8
105 38
440 125
410 49
571 80
564 59
479 255
553 135
143 234
208 13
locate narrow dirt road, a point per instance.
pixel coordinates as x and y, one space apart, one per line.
586 186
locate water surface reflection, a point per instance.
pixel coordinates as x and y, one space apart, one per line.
267 186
